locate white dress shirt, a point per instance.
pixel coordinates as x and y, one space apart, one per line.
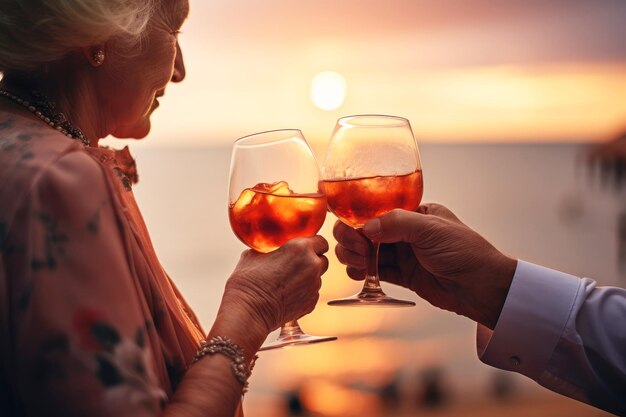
566 333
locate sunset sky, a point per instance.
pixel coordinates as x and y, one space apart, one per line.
460 70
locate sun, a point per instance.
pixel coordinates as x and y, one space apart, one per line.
328 90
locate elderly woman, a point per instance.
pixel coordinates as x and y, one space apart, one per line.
90 323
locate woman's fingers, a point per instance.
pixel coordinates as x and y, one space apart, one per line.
324 262
320 245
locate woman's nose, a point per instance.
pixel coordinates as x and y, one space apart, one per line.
179 66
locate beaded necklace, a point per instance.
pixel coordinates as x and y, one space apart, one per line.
46 111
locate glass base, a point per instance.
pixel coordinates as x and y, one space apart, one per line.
371 299
294 340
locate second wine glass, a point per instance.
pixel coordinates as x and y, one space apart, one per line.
273 197
372 166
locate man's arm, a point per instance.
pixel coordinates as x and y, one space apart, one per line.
564 332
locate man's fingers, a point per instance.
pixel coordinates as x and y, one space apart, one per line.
397 226
407 226
355 273
351 239
438 210
391 274
347 257
340 229
387 255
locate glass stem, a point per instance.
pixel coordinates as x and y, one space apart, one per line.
290 329
372 282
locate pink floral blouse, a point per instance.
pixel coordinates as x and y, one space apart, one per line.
90 323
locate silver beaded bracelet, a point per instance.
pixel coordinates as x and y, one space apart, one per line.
233 351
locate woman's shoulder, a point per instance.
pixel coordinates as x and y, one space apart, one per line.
33 154
26 144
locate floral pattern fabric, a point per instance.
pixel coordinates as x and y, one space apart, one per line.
90 324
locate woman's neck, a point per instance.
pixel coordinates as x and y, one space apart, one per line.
71 94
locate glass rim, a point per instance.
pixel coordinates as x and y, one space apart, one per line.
254 140
400 121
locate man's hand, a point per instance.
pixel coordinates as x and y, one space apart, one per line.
433 253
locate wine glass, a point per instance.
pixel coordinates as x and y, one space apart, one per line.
273 197
372 166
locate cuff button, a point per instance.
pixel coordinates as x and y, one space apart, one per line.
515 360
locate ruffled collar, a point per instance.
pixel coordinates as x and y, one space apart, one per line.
120 160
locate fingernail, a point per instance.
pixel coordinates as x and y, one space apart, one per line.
372 229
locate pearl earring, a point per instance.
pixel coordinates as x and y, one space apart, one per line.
98 57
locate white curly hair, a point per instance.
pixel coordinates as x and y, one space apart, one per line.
36 32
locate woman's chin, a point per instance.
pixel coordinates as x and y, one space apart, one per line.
138 131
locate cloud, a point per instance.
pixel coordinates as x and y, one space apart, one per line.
445 32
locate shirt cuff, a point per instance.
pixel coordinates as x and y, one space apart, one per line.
535 312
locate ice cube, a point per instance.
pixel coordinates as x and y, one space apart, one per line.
244 199
262 187
277 188
281 188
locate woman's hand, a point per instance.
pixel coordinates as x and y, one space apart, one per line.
273 288
434 254
264 292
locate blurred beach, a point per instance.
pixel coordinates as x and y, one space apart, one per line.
537 202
